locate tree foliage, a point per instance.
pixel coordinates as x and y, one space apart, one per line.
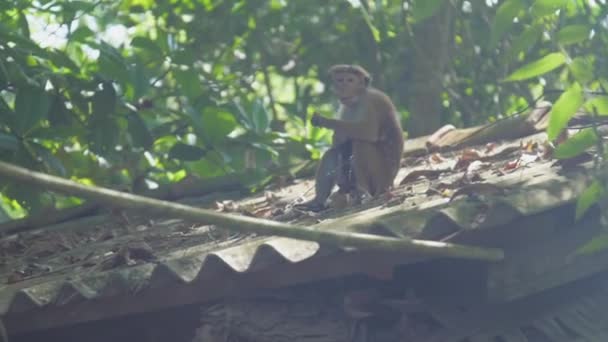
137 93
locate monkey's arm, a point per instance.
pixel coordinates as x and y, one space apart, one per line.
367 129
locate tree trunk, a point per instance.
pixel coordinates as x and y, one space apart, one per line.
433 38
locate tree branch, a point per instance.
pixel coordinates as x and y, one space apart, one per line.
249 224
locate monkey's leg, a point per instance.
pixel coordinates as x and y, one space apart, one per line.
325 180
372 170
345 177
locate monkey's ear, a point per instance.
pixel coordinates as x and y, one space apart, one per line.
368 80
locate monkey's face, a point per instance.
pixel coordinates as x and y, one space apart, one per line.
348 87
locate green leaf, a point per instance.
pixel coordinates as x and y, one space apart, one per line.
23 24
185 152
422 9
104 133
60 59
138 80
58 113
588 197
211 166
370 25
140 134
81 34
503 20
104 101
189 83
216 124
563 110
276 5
8 142
538 67
597 244
254 116
31 107
52 164
261 117
111 63
25 44
573 34
597 105
146 43
576 144
582 69
545 7
525 41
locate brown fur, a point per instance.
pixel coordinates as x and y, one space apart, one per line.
377 141
367 142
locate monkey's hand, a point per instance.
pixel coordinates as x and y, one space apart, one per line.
318 120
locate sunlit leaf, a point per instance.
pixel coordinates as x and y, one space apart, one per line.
51 163
589 197
422 9
31 107
26 195
216 124
598 104
573 34
261 117
165 143
185 152
563 110
370 24
503 20
545 7
277 4
576 144
538 67
582 69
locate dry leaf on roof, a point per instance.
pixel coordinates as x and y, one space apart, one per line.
512 165
428 174
477 189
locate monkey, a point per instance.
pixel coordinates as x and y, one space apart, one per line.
367 141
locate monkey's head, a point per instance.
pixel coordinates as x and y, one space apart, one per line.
348 82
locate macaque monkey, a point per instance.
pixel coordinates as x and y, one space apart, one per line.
367 142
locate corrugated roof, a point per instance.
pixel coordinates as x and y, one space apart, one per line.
59 267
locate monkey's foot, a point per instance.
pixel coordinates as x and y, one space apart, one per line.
312 205
338 200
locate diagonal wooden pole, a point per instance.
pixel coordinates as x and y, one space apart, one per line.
246 224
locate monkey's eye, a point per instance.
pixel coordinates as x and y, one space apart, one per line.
350 80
